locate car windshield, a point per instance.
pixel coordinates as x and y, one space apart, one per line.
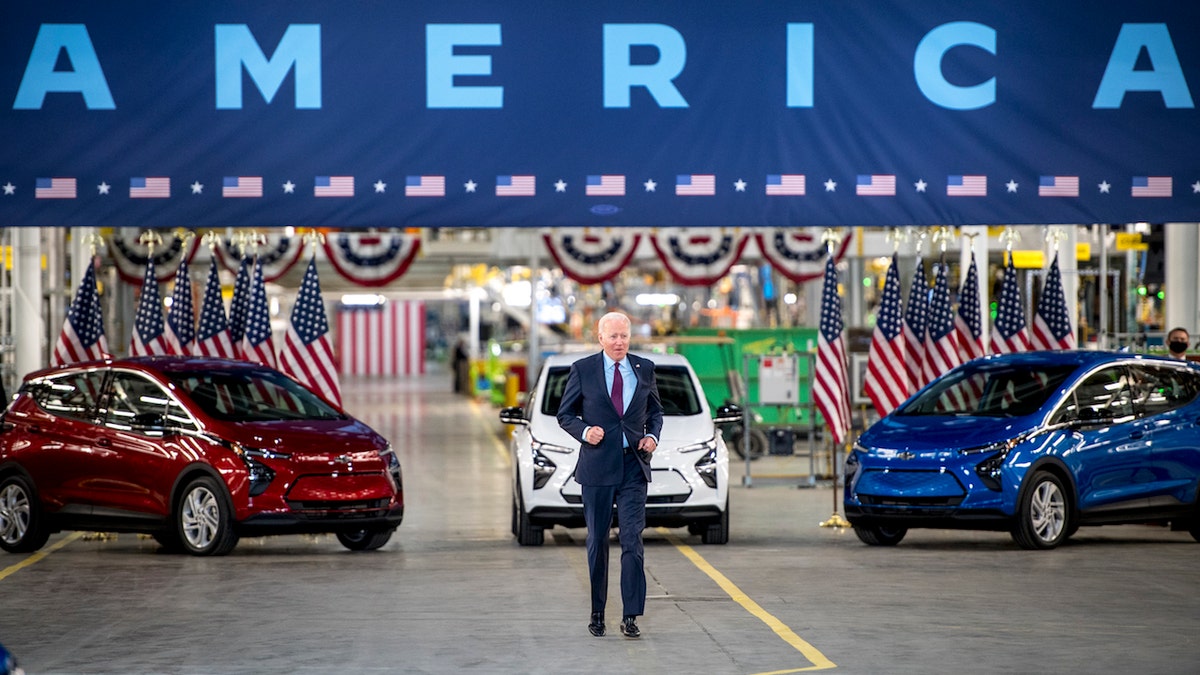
252 396
989 390
675 388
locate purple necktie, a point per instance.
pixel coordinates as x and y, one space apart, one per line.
618 390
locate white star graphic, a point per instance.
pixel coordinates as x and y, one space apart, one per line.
9 188
470 185
830 185
380 187
650 185
103 187
1011 185
1196 187
560 186
1104 186
740 185
289 187
920 185
197 187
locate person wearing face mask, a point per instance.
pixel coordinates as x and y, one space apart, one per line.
1177 343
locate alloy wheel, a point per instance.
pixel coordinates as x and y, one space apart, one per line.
14 514
1048 511
201 517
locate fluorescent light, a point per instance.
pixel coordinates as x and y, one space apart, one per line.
362 299
657 299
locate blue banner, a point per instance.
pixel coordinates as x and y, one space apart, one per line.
615 113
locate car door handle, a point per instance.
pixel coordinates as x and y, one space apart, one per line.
1135 434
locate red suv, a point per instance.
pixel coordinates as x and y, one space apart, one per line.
196 452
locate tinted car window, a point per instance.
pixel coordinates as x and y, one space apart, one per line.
1157 389
1105 394
675 389
132 400
989 390
73 395
252 396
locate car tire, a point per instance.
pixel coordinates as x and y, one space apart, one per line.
758 444
528 534
879 535
718 532
1043 513
22 523
168 540
204 518
365 540
516 515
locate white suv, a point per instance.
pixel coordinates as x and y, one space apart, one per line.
690 479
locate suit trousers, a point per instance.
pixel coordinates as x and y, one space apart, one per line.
630 500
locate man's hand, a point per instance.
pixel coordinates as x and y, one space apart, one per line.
594 435
647 444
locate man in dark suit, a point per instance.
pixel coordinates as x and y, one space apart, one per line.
611 405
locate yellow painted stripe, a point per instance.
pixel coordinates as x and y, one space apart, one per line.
12 569
500 447
814 656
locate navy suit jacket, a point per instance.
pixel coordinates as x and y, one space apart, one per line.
586 402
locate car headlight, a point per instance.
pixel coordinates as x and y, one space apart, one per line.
392 462
260 474
710 445
543 469
989 469
549 447
706 466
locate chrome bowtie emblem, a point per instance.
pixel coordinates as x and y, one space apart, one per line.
342 459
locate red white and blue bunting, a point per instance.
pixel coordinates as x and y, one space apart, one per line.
372 258
130 256
697 256
798 253
278 256
591 256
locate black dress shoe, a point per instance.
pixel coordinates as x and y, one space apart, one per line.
596 627
629 627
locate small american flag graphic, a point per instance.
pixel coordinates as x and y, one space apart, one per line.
876 185
515 186
242 186
1151 186
606 186
54 188
1058 186
785 184
966 186
696 185
149 188
333 186
425 186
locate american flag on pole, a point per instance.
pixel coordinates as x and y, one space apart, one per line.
886 382
516 186
968 322
1058 186
425 186
914 328
830 389
1151 186
181 318
82 337
213 337
1008 331
1051 322
149 334
239 307
242 186
785 185
941 340
605 186
257 346
307 354
158 187
333 186
696 185
877 185
966 186
54 188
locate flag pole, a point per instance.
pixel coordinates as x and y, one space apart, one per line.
831 238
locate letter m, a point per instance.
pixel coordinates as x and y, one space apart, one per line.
299 48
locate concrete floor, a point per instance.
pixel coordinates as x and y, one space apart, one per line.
452 591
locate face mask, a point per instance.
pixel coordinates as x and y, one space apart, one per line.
1177 346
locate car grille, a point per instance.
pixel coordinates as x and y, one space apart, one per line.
655 499
912 502
333 508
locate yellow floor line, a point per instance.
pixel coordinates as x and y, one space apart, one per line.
814 656
501 449
12 569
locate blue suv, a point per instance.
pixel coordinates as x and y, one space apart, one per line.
1036 444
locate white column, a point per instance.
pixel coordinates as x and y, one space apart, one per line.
1181 243
29 326
1069 267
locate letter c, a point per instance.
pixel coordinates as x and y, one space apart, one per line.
927 65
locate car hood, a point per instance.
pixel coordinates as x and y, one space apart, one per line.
676 431
937 432
316 438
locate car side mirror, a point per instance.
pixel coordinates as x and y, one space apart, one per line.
730 413
513 415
